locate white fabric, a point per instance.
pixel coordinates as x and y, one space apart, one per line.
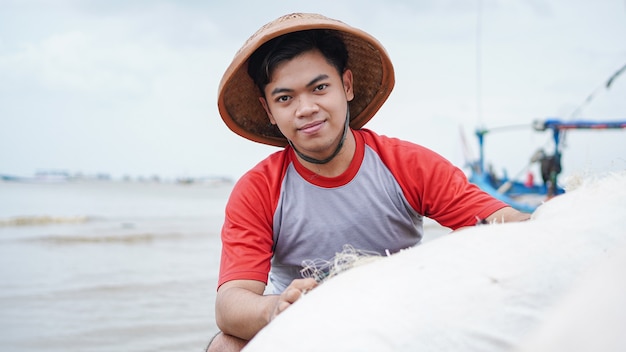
592 317
488 288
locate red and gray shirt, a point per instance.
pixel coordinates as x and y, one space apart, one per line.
280 213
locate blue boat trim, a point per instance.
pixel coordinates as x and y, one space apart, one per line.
510 191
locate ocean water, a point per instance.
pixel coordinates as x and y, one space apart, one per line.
111 265
108 266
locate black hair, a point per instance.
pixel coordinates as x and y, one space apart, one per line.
266 58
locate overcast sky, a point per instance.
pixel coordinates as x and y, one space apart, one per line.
130 87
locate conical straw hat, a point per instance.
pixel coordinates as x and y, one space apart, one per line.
372 70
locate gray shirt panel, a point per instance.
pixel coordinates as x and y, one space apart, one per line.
311 222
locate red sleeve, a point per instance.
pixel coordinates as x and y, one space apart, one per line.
247 234
433 186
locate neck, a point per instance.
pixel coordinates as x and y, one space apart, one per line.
339 164
311 160
338 161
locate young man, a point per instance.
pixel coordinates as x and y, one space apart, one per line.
309 83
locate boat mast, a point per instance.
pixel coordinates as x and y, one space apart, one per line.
479 21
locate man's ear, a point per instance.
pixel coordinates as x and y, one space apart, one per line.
348 85
267 110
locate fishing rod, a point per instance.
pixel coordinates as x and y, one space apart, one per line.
595 92
576 112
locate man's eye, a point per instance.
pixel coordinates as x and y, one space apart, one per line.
321 87
282 98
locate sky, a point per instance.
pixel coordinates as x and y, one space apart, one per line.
129 88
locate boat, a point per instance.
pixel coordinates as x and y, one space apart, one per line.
527 195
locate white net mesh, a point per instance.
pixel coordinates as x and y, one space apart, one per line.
348 258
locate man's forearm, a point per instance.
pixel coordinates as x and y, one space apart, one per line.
241 312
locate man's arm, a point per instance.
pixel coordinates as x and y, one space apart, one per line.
507 214
242 310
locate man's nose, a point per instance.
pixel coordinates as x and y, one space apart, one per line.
307 105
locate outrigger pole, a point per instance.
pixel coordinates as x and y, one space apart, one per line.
557 126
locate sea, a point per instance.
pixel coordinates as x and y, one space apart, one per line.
104 265
109 265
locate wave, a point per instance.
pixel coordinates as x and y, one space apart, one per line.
112 239
43 220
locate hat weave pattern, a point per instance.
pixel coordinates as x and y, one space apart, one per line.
238 97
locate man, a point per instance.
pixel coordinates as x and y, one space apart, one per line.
309 83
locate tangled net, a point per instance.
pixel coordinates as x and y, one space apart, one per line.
348 258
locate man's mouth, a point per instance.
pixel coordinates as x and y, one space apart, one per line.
312 127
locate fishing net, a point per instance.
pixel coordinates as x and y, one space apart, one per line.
322 270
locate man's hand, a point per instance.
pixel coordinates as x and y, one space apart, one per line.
507 214
291 294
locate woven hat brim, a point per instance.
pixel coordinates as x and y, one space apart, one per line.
238 96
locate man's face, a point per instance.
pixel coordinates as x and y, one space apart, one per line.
308 100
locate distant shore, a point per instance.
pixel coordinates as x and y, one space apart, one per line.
64 176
